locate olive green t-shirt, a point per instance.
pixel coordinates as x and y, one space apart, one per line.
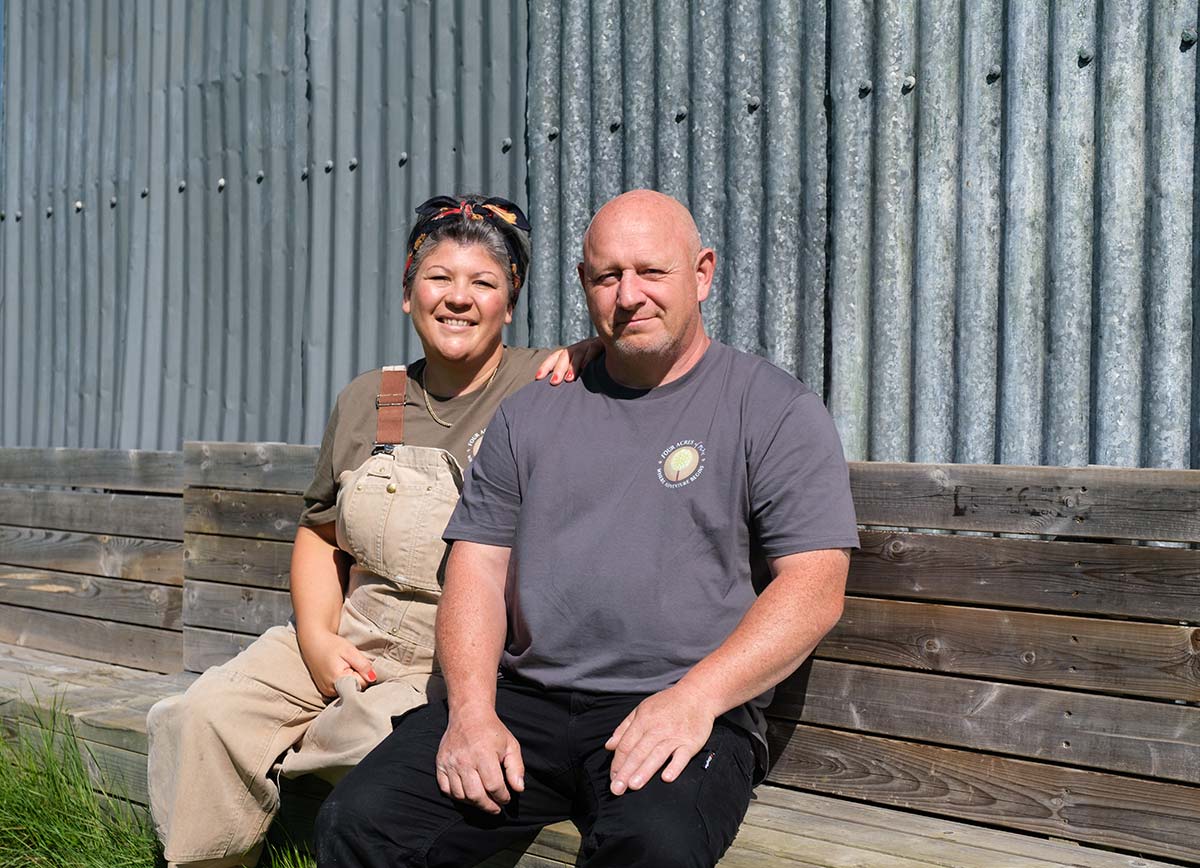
350 434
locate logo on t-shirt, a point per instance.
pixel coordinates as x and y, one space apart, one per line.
474 443
681 464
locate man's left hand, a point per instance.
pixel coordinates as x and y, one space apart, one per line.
672 724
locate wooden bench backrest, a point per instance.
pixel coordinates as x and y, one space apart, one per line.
1037 683
91 554
1016 681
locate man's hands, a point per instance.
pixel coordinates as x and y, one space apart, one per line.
329 657
673 723
477 757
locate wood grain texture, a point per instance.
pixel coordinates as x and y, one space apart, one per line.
829 823
204 648
1130 658
255 514
1091 502
251 466
233 608
1069 577
232 560
114 557
115 599
93 639
137 515
1128 813
1153 739
114 469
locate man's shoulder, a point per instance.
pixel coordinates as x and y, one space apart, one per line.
759 377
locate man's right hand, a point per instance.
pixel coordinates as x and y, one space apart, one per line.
329 657
477 757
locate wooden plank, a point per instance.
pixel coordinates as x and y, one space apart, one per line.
253 466
829 822
233 608
1109 810
114 557
1100 578
262 515
1130 658
138 515
1104 502
118 772
204 648
1153 739
117 599
93 638
114 469
255 563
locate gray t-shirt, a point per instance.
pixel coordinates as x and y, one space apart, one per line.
635 517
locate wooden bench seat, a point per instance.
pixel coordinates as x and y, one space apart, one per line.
1016 679
107 707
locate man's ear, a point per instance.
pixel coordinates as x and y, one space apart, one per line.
706 266
579 271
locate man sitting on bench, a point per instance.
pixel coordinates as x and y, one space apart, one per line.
604 562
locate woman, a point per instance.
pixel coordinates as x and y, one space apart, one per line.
321 692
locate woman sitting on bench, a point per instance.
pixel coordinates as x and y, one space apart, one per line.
317 695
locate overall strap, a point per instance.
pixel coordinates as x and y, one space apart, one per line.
390 406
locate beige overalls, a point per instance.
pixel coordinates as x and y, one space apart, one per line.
214 748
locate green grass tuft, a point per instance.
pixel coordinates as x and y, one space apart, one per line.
54 815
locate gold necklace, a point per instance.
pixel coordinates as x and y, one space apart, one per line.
429 406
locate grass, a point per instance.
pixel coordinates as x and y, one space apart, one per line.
53 815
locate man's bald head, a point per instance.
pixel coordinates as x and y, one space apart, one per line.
644 275
647 207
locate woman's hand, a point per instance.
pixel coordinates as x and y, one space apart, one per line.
566 363
329 657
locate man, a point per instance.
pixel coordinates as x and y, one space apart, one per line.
603 562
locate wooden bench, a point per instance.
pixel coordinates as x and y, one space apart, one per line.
1022 691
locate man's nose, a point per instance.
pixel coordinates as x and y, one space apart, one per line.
629 292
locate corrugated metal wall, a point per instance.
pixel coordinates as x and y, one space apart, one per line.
245 174
971 224
1011 243
720 104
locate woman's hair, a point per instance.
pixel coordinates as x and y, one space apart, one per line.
497 225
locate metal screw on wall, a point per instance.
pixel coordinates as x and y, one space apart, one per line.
552 134
328 166
681 116
353 164
304 173
403 158
182 186
864 88
78 206
17 216
909 84
145 192
2 216
112 202
1187 39
752 104
220 185
1085 56
505 145
993 73
614 126
49 213
258 179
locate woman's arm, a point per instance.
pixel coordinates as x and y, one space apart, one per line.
318 589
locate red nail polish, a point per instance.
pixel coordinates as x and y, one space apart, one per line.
371 675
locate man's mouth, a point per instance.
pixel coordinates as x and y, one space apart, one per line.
454 321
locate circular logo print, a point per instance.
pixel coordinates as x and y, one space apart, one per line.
474 443
680 464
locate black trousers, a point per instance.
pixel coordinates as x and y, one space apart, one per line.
389 811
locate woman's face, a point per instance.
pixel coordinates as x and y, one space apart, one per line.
458 301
